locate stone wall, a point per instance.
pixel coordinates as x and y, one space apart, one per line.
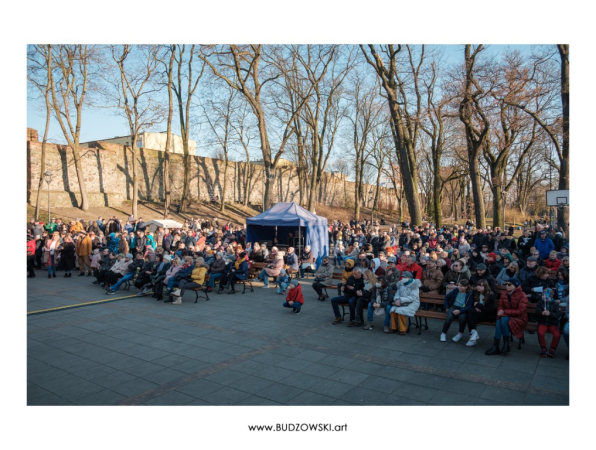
107 171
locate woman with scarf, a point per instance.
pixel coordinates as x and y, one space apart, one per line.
239 271
509 271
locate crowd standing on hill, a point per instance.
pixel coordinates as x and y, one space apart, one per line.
384 269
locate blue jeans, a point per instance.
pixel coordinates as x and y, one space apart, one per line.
338 260
387 313
502 327
282 287
126 277
264 277
296 305
51 265
335 301
171 283
212 278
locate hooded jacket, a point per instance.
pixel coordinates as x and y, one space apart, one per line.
347 273
295 295
514 306
409 296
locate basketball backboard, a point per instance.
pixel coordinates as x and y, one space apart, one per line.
557 198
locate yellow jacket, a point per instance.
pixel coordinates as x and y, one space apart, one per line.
198 274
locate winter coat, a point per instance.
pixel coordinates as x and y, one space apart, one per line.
67 255
120 267
31 247
392 277
172 271
553 264
295 295
324 274
451 296
432 279
544 247
276 266
526 273
409 297
198 274
555 313
489 308
292 261
475 279
347 273
514 306
242 272
357 284
84 246
185 272
454 277
534 282
217 266
505 276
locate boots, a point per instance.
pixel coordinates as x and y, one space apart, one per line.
505 348
494 350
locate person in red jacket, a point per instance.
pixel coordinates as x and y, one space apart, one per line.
30 255
511 316
413 267
552 263
294 300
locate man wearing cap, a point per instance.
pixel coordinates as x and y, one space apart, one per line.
544 245
528 271
83 250
483 274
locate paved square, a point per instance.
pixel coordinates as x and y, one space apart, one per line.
246 349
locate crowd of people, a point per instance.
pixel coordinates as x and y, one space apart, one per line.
384 269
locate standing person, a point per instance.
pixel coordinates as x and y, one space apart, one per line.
295 299
548 314
51 249
30 255
83 250
68 255
511 316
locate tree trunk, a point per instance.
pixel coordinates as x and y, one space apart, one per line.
166 164
135 180
222 206
563 212
42 169
186 179
498 219
437 196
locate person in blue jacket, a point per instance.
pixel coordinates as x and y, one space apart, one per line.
457 303
544 245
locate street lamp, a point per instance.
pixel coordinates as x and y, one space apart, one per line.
48 178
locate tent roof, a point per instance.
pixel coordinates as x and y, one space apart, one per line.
165 223
286 214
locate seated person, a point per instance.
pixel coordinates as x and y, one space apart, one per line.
323 277
457 303
353 284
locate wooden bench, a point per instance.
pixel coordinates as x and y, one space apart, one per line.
202 289
438 299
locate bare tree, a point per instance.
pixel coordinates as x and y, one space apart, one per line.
239 66
476 125
405 127
184 89
39 74
135 96
166 165
69 91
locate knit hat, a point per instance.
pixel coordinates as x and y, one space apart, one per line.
407 275
391 259
294 283
481 266
129 255
514 281
492 255
532 258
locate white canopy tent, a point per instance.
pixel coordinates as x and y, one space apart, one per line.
165 223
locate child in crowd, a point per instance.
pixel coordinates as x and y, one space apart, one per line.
95 259
294 300
282 281
548 314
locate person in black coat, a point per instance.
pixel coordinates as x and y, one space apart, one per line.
535 285
548 315
483 274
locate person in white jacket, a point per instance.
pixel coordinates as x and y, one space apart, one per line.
406 301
